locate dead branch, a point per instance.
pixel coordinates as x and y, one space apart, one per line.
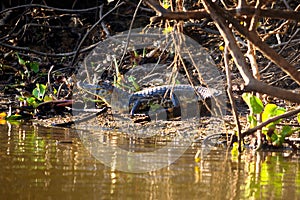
90 30
230 95
270 53
29 50
273 119
200 14
251 84
49 8
250 35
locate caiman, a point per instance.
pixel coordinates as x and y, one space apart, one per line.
168 96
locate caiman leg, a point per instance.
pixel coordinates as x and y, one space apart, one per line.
137 103
135 107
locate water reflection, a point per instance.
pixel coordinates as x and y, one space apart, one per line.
51 163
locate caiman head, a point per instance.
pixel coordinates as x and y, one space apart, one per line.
104 88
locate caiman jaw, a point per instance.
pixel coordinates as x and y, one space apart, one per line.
105 88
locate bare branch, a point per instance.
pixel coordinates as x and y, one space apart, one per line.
231 97
251 83
270 53
200 14
91 29
29 50
273 119
49 8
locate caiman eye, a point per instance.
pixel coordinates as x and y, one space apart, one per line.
102 92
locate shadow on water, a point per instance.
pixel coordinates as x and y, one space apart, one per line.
51 163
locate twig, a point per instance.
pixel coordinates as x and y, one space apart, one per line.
284 44
230 95
129 32
91 116
27 49
49 81
251 54
102 23
295 41
87 110
251 84
268 52
91 29
59 89
287 5
200 14
273 119
48 7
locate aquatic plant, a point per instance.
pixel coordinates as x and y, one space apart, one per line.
274 134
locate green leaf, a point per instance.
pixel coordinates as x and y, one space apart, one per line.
235 151
274 136
20 60
269 111
15 122
166 4
36 93
134 83
39 91
21 98
47 98
167 30
54 91
272 110
286 131
254 103
265 130
136 55
144 52
3 115
34 66
277 140
298 118
14 117
32 101
155 107
43 88
252 120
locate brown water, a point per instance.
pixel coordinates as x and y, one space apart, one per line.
51 163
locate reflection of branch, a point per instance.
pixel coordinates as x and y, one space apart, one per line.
199 14
273 119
